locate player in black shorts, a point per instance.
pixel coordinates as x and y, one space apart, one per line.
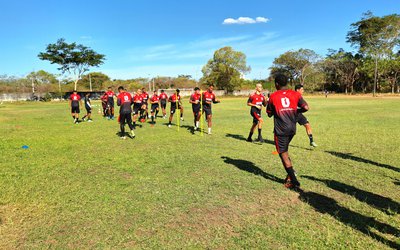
88 107
154 99
124 100
195 99
302 120
163 103
283 105
256 101
74 101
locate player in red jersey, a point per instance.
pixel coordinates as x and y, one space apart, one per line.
124 100
74 101
208 99
104 99
302 120
256 101
195 101
144 112
283 105
110 103
175 101
137 105
154 106
163 103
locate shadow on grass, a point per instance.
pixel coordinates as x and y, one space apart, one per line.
362 223
242 138
359 159
189 128
384 204
248 166
119 134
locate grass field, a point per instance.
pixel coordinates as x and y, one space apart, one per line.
81 186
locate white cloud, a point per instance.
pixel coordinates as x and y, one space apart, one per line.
245 20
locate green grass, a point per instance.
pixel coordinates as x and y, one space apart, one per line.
81 186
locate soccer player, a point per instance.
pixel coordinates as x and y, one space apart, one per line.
175 101
124 100
88 107
283 105
110 103
208 99
143 112
195 101
163 102
154 106
74 101
256 101
137 105
302 120
104 99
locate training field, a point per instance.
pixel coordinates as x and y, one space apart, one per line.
81 186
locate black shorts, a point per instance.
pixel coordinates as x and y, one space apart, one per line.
111 104
196 110
256 116
301 119
75 110
154 107
144 105
282 142
125 118
163 104
207 111
136 108
88 110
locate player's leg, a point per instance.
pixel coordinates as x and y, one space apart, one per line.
309 133
171 115
130 125
260 123
157 110
152 114
253 127
282 146
181 109
209 123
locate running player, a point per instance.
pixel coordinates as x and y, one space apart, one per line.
74 101
195 101
163 102
208 99
154 106
137 105
302 120
110 103
283 104
124 100
175 101
144 112
88 107
256 101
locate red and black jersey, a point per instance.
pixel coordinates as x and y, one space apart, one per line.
283 105
174 99
75 98
154 99
145 97
256 99
195 97
208 97
110 96
124 100
138 100
163 97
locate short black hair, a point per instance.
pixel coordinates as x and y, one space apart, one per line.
211 85
162 91
74 91
109 87
197 88
281 80
177 91
143 88
298 86
120 88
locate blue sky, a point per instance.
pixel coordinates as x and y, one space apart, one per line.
167 38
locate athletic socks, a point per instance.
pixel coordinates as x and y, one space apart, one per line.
156 113
197 124
293 179
209 130
259 134
250 135
311 138
152 119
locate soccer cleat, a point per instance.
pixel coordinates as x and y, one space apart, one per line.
123 137
89 120
261 140
209 133
133 133
182 119
83 119
169 125
249 140
313 144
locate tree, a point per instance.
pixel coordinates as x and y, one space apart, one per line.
390 70
73 58
375 37
225 69
40 78
95 79
342 67
295 64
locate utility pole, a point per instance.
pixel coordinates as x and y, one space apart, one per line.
90 83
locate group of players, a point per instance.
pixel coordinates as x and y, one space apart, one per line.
285 105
